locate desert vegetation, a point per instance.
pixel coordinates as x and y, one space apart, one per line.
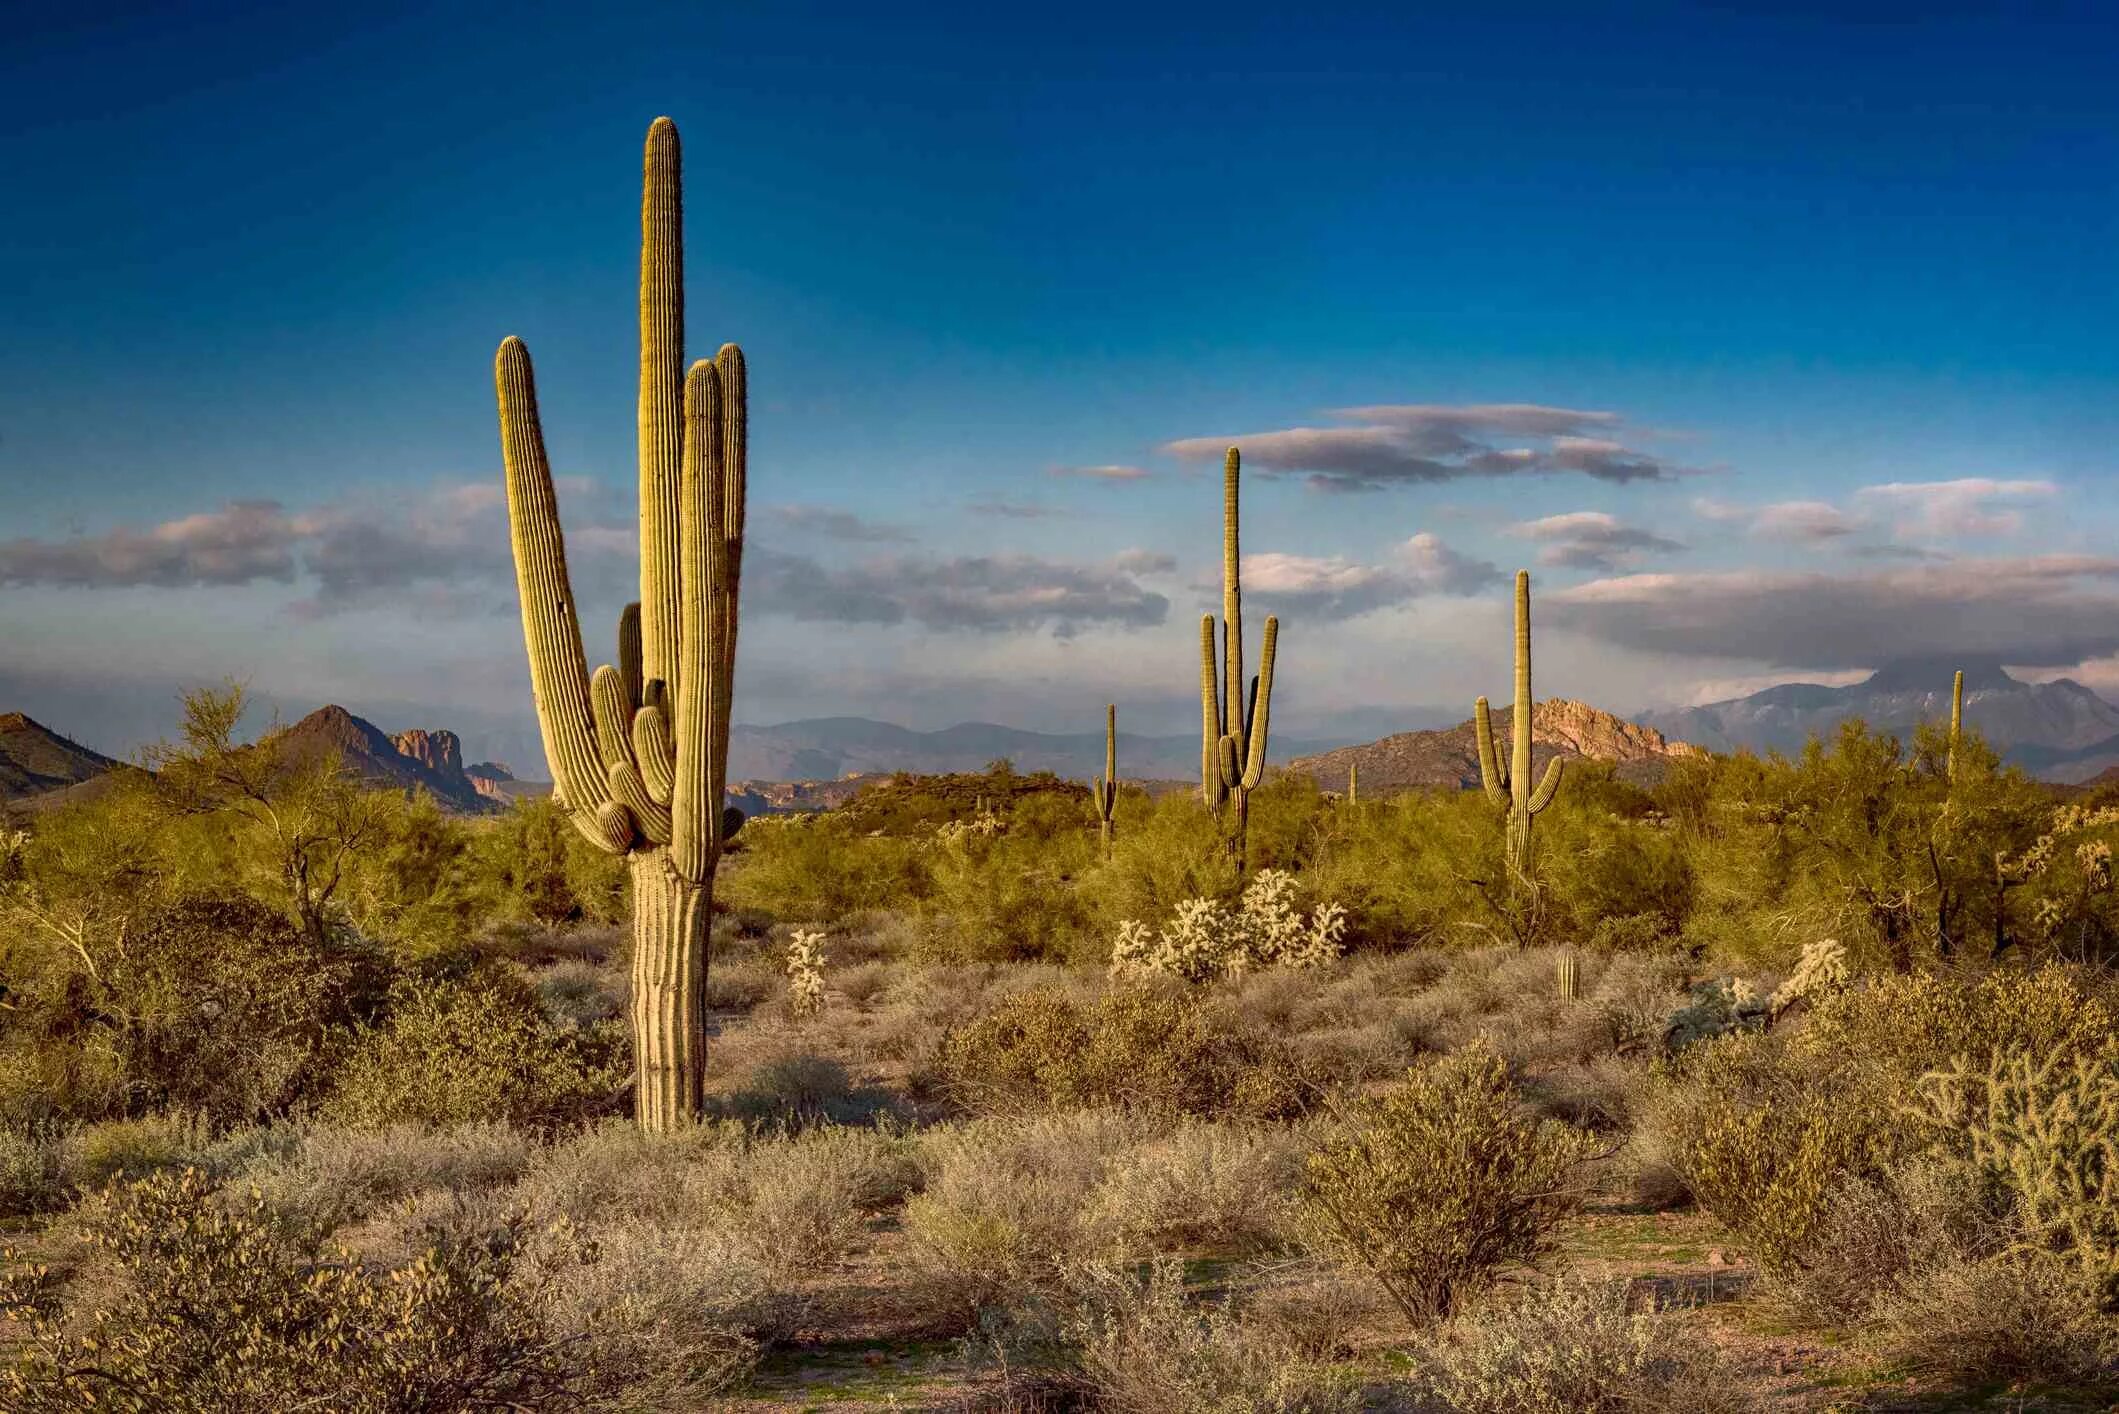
1777 1084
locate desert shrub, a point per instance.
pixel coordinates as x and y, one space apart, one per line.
1877 1236
1206 939
1136 1047
1763 1143
1000 1214
30 1175
1007 895
232 1311
412 884
2022 1316
454 1050
1139 1347
1442 1180
329 1176
214 1004
1576 1347
94 1154
531 864
1199 1186
580 994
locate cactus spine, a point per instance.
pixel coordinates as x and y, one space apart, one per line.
1509 784
639 752
1105 790
1569 977
1956 723
1233 723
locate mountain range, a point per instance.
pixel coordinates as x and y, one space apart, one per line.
2058 731
828 748
35 760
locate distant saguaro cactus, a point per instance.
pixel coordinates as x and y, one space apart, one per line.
1233 724
1509 783
639 752
1105 791
1568 977
1353 782
1956 723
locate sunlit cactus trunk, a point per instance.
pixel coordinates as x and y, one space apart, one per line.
1233 723
1509 784
1956 723
639 751
1105 791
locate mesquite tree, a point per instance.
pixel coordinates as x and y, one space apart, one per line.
639 751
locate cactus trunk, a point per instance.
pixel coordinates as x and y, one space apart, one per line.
1509 783
639 752
1569 977
1956 723
1106 788
1233 724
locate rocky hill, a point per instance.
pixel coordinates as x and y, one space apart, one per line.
2061 731
428 760
35 759
1450 757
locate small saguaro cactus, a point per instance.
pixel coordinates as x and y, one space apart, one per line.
1233 723
1569 977
1956 723
1353 782
1105 790
639 752
1509 783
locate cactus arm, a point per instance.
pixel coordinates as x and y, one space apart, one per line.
611 827
1230 764
629 654
1519 766
1547 787
661 409
695 801
654 753
559 677
735 464
1261 708
1210 782
650 818
613 711
1231 599
1492 775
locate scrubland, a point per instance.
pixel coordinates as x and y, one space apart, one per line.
1786 1085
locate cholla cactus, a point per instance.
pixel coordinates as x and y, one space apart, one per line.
1821 970
1232 724
1105 789
1205 938
639 752
982 826
1508 783
2046 1129
1716 1008
805 972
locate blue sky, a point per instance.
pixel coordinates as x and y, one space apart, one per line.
1776 345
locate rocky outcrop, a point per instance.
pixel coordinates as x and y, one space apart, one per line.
492 780
1450 757
438 751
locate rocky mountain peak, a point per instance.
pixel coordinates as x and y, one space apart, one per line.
438 751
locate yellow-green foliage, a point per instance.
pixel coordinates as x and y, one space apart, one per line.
531 864
238 1311
1136 1047
820 868
2044 1128
1764 1144
216 1005
457 1050
1438 1183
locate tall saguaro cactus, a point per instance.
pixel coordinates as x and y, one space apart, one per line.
1956 723
639 751
1233 723
1509 783
1105 790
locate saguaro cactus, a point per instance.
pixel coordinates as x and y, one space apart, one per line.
1567 976
1233 723
1105 790
1956 723
639 751
1509 784
1353 783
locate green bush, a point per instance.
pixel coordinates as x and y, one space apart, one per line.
821 869
213 1004
1441 1181
474 1047
1764 1144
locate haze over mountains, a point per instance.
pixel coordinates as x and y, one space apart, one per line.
2060 730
